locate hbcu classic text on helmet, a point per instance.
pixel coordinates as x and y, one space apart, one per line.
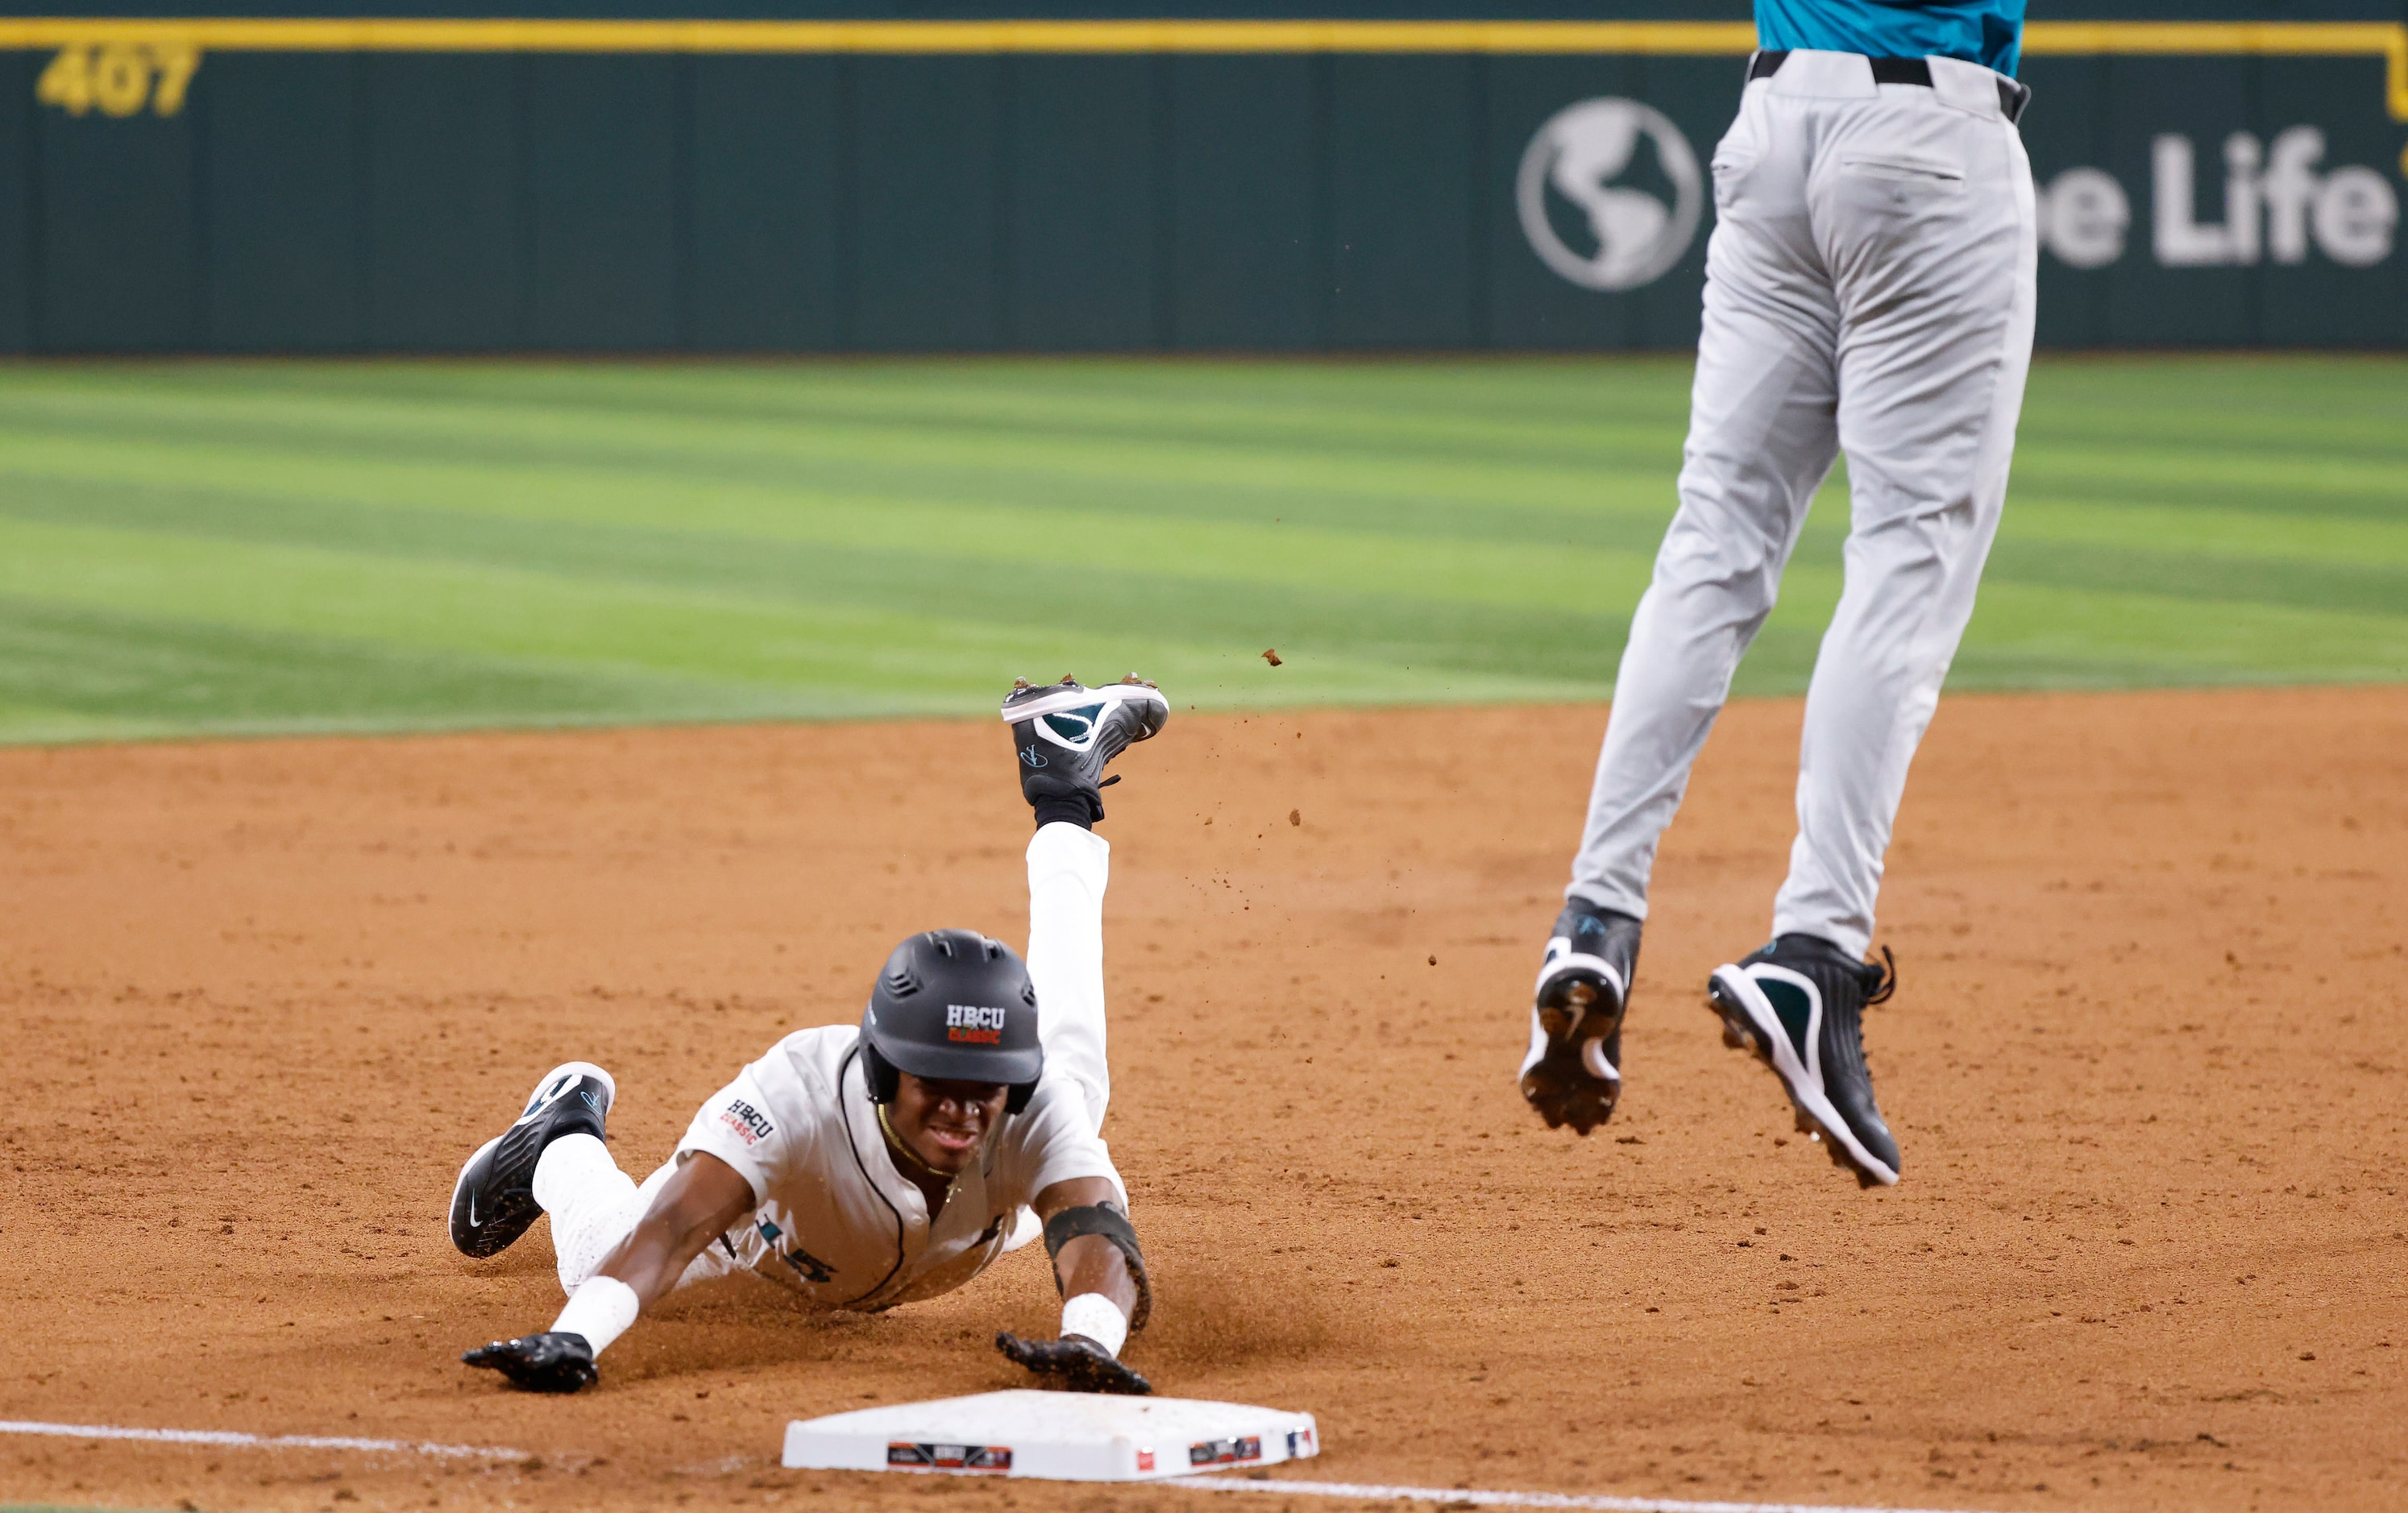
953 1005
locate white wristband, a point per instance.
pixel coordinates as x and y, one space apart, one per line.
1098 1318
600 1310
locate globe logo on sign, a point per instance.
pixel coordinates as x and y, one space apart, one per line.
1586 217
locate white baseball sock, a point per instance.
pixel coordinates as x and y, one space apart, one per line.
590 1201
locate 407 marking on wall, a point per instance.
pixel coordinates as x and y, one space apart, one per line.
120 78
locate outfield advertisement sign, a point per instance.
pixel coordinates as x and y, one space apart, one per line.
1609 195
832 185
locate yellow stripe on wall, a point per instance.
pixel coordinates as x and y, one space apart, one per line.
2388 41
234 35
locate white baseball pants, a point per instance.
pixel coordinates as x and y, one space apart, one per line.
1068 869
594 1205
1868 287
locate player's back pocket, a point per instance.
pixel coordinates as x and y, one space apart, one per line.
1904 168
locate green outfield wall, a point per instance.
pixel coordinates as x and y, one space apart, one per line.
1115 179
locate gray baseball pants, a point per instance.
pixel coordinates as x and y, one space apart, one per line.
1869 288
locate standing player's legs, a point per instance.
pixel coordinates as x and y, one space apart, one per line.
1068 869
1761 438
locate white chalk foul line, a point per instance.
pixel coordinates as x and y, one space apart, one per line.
262 1442
1460 1495
1364 1491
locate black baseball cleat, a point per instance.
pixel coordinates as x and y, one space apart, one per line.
1799 1004
1065 733
493 1202
1574 1073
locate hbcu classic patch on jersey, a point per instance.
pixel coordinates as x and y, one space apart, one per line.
750 1125
972 1025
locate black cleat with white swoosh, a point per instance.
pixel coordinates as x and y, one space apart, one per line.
1798 1005
493 1202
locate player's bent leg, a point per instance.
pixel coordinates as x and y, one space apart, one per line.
592 1205
1068 871
493 1201
1064 735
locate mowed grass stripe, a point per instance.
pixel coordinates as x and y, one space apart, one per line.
1180 578
1375 579
957 580
1505 573
421 544
1581 409
1482 613
791 659
883 456
2145 416
2314 407
2222 535
2335 406
1612 461
705 493
2368 562
69 672
2188 641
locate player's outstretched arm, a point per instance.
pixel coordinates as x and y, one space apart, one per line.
701 1201
1102 1276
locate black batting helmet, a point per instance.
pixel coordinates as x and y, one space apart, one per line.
955 1006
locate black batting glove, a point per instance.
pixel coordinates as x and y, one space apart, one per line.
1077 1363
541 1363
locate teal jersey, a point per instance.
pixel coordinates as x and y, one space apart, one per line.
1987 32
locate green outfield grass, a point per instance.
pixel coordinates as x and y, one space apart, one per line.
240 546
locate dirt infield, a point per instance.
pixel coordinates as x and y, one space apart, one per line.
2146 1064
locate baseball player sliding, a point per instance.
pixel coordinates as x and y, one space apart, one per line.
1869 288
874 1166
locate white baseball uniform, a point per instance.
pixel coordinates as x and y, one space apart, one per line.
836 1220
1868 287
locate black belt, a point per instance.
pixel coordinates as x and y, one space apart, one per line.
2013 96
